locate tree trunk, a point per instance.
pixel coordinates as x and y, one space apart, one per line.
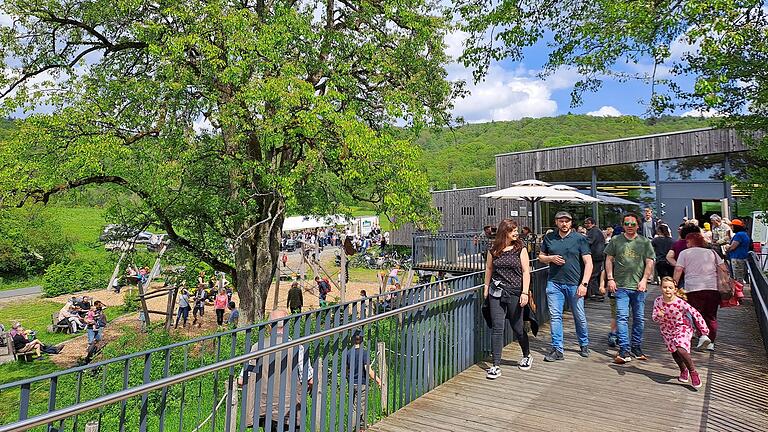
256 260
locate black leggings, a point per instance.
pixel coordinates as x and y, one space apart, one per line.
219 316
683 360
501 311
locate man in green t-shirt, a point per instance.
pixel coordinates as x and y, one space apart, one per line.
628 265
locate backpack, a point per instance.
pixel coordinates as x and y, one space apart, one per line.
325 287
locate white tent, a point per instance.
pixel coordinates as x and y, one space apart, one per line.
298 223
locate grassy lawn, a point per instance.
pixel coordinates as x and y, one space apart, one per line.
34 315
16 284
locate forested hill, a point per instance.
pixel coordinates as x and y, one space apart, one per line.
465 156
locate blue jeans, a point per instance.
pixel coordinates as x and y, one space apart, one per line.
94 335
557 293
626 298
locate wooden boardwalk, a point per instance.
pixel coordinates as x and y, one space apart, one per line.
596 395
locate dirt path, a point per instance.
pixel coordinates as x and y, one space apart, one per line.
75 349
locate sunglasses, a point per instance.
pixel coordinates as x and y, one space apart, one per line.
630 223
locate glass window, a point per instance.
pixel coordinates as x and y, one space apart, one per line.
638 172
565 176
695 168
740 162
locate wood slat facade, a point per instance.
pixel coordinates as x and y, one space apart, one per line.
513 167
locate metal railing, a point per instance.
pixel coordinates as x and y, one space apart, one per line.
759 288
300 378
450 252
428 337
455 252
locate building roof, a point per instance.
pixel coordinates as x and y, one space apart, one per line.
608 141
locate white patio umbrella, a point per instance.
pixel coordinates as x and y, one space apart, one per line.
535 191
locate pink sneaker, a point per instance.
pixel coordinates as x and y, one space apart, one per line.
683 378
695 379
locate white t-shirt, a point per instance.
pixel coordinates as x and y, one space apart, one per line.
700 268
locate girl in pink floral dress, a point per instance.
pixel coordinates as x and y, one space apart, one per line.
674 314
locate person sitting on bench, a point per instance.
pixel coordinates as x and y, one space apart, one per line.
21 343
67 315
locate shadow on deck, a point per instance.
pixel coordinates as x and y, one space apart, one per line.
596 395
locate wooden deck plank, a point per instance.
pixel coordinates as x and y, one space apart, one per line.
594 394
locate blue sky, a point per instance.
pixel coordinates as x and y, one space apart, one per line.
513 90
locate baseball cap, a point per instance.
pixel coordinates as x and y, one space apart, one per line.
738 222
563 214
714 217
589 219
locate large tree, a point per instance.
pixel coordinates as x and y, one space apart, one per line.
221 115
703 55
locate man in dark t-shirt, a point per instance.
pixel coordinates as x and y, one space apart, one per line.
565 251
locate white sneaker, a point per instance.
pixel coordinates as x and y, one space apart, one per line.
525 363
711 346
493 372
703 340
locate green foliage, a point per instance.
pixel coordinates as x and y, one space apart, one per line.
722 45
131 301
299 99
465 156
73 276
29 243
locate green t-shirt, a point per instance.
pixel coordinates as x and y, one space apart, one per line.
629 259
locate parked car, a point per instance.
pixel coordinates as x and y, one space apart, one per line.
157 241
120 232
289 245
121 245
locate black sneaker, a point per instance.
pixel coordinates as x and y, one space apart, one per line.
493 372
554 355
584 351
622 357
525 363
637 352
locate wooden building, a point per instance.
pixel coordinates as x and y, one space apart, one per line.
677 174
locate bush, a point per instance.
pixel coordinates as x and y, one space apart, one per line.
131 301
29 243
74 276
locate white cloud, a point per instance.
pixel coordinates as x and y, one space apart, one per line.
509 94
605 111
454 43
708 113
6 20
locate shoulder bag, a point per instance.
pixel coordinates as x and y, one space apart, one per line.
725 285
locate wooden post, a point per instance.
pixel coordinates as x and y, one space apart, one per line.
277 291
144 309
381 354
408 279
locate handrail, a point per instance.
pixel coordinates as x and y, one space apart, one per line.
80 408
760 290
130 356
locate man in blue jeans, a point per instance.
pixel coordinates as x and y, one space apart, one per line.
628 265
565 250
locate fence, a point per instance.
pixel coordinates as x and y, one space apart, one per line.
300 371
759 294
450 252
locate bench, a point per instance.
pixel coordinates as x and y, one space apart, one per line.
17 356
57 327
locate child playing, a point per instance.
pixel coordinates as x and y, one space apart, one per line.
672 312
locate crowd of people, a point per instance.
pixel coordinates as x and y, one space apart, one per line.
619 263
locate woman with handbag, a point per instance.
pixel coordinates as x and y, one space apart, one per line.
700 265
507 285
